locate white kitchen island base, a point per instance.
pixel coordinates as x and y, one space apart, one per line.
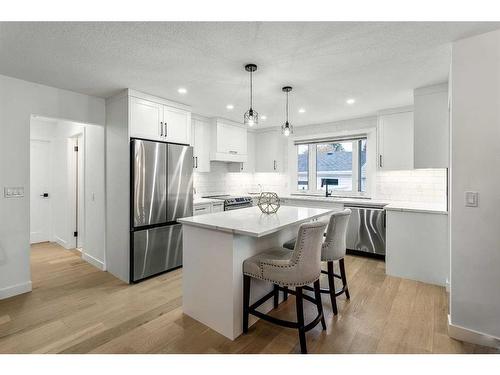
213 258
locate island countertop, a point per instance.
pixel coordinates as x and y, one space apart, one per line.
252 222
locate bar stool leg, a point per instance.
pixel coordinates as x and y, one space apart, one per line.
300 319
344 278
246 301
285 293
331 285
319 304
276 295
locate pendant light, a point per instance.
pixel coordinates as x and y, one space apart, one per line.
251 116
286 128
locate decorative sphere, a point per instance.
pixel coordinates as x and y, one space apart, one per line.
269 202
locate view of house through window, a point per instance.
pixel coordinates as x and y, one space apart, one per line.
340 164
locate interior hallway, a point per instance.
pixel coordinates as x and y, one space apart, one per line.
75 308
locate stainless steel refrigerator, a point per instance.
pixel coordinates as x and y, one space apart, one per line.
161 192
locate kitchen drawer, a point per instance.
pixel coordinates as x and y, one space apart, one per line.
217 207
202 209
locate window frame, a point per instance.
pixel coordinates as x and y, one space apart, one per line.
367 134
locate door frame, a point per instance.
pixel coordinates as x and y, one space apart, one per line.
76 188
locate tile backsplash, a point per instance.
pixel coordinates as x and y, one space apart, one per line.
219 181
419 185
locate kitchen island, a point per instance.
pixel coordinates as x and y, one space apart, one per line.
214 248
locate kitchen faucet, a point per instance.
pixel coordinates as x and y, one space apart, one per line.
329 182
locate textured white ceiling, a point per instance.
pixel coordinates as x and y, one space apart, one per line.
378 64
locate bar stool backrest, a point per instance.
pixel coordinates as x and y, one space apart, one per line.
307 253
334 246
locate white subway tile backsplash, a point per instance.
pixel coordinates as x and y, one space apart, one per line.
419 185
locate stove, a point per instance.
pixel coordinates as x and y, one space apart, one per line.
233 202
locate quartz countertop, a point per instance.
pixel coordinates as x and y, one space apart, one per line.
252 222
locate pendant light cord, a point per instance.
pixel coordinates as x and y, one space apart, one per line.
251 89
287 106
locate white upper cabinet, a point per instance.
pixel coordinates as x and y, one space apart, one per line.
229 141
201 143
395 140
431 130
145 119
154 120
249 165
177 125
270 151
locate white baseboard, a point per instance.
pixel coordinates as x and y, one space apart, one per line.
94 261
62 242
14 290
474 337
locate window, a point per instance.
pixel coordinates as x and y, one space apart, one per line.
339 164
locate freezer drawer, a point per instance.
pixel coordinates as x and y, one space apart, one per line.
156 250
366 230
149 173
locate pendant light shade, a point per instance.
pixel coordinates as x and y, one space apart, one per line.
286 128
251 117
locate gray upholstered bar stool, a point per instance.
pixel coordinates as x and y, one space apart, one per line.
285 268
332 250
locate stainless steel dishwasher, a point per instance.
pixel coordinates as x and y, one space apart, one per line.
366 230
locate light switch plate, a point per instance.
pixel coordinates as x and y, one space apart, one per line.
13 192
471 199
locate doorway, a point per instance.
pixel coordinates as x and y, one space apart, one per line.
67 206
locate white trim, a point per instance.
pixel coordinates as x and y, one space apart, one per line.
93 261
62 242
471 336
14 290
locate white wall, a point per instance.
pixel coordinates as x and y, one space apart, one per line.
62 194
18 101
475 166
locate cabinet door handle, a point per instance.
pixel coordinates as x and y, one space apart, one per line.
233 152
165 124
380 161
274 164
161 129
196 162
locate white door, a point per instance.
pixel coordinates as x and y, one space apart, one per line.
201 146
396 141
177 125
80 192
40 193
145 119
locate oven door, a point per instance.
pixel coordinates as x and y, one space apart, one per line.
237 206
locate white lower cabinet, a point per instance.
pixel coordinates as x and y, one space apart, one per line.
217 207
201 209
417 246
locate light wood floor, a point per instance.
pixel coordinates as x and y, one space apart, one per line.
75 308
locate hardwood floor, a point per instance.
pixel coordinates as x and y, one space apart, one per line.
75 308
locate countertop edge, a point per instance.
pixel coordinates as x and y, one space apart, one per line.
251 234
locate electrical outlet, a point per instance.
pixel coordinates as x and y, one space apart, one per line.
13 192
471 199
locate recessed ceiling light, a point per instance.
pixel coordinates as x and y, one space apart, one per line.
263 117
230 106
182 90
350 101
302 110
